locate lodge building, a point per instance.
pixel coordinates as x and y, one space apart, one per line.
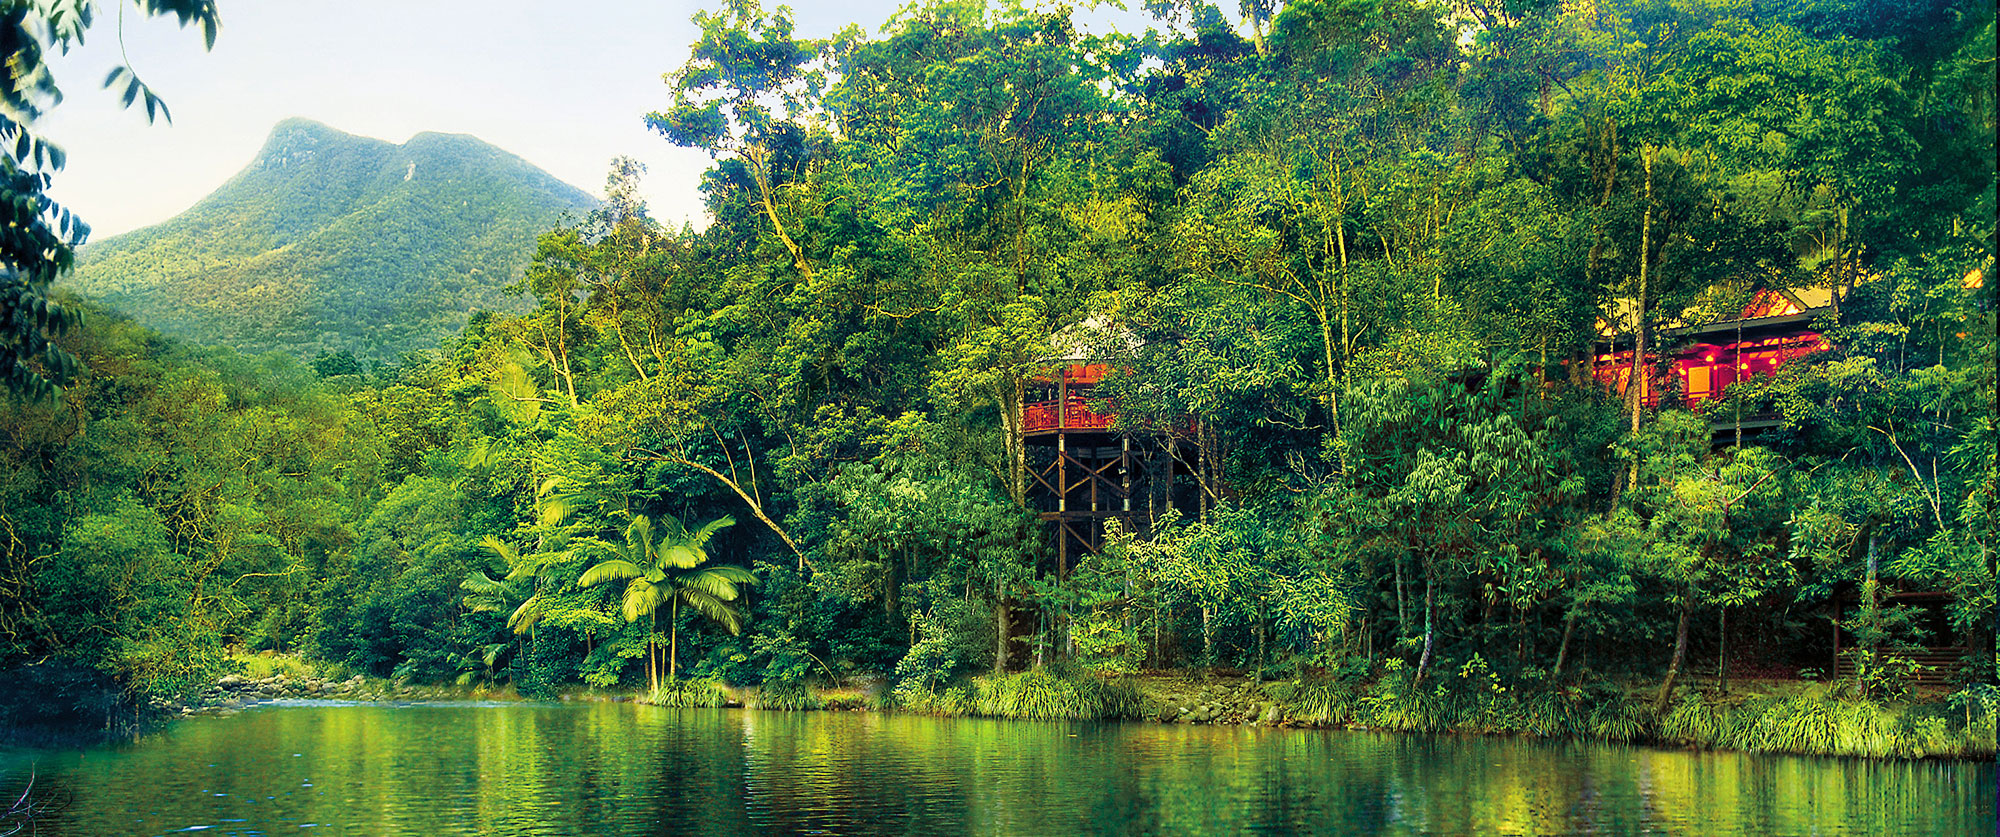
1085 471
1706 359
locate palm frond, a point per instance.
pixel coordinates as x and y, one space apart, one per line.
615 568
683 557
490 654
501 549
713 608
484 594
481 455
699 537
642 597
735 574
554 509
712 582
642 535
526 615
673 528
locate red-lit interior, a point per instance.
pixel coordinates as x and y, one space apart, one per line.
1705 370
1066 404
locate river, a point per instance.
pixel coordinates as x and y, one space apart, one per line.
623 769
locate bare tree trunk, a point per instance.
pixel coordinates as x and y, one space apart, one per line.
760 173
1722 648
1041 636
1012 398
1642 377
1157 661
1430 601
1402 616
1256 15
1680 653
1562 651
1262 661
1207 638
1000 628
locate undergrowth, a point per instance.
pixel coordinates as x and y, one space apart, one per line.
789 695
258 666
1816 722
688 694
1044 694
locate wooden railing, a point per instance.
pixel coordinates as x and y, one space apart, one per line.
1050 416
1938 665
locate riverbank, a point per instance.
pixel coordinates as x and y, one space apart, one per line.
1763 716
1772 716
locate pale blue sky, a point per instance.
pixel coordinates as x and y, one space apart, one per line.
563 85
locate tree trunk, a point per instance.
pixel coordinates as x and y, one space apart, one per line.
1041 635
1207 638
1562 651
1641 378
674 643
1332 388
1402 617
1262 661
1257 32
1430 587
759 159
1000 629
1680 653
1722 648
1013 400
1157 619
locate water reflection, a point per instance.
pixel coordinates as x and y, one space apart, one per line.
618 769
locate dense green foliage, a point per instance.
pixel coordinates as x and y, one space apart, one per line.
329 243
1369 247
41 235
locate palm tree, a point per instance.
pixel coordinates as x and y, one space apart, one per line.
518 595
664 567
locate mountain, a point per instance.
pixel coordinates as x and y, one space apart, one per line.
329 241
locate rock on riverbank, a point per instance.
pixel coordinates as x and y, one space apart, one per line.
235 691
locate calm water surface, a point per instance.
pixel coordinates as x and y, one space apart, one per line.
620 769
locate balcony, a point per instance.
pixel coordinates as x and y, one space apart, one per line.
1052 416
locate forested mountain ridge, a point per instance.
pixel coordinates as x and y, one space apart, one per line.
329 241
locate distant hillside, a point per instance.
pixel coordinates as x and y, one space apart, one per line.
330 241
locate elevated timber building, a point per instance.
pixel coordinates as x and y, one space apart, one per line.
1085 471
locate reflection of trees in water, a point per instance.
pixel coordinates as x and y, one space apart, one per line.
620 769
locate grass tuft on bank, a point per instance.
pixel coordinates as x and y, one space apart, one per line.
688 694
1814 719
1043 694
